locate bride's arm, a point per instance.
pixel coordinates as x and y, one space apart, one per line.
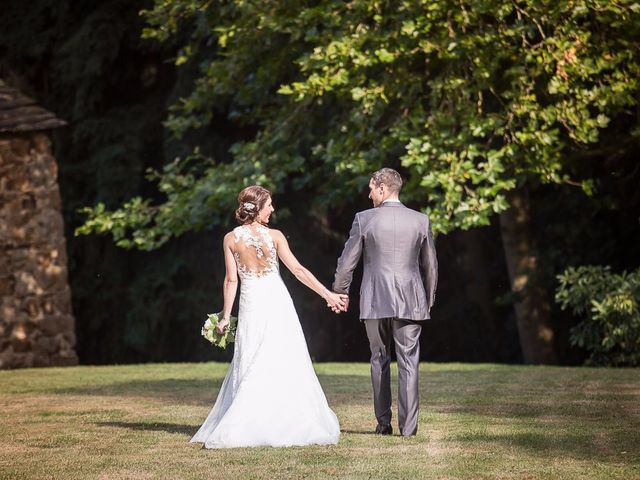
304 275
230 285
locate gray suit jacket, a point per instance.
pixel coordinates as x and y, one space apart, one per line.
400 265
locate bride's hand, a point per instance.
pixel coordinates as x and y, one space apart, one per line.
222 325
337 302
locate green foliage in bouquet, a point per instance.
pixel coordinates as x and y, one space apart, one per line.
611 305
211 334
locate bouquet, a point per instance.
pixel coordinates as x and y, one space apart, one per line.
211 334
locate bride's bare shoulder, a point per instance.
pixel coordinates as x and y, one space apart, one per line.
277 235
229 238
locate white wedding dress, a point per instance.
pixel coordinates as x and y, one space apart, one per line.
270 395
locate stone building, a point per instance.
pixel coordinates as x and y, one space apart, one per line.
36 322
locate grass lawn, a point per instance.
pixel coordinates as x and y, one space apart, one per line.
476 421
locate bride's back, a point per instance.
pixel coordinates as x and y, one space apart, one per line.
254 251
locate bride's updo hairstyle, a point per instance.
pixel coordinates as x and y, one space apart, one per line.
250 201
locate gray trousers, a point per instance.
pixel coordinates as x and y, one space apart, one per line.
406 335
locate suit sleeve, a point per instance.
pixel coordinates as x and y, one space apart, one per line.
429 265
349 259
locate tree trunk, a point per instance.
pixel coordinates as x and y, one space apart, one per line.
532 303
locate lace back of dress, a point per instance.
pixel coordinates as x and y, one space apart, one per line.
254 251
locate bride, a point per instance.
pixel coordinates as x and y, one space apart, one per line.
270 395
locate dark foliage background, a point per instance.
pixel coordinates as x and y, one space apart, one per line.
86 62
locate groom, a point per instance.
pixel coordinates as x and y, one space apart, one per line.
397 292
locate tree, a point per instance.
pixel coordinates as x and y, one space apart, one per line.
88 64
474 101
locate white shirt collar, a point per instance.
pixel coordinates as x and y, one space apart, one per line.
391 200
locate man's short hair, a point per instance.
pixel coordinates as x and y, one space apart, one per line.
389 177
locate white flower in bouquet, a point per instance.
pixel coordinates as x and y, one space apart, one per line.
210 332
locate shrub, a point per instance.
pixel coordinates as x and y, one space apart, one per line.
609 305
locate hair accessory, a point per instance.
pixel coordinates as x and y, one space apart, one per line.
248 206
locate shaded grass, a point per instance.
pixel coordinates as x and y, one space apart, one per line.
477 421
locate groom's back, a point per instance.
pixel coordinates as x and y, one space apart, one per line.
392 238
392 286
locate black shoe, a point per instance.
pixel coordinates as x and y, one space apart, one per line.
384 429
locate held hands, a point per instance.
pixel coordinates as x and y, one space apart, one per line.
338 302
345 298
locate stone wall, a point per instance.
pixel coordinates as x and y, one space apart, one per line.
36 322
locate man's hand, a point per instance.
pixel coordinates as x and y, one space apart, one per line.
342 306
336 301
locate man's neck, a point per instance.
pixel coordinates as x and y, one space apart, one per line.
391 199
